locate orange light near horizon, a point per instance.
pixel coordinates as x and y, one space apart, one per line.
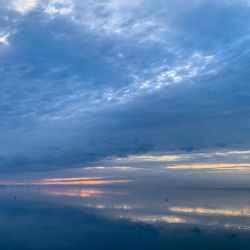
153 158
211 166
70 179
65 181
79 182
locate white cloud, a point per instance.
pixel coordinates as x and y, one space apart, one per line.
24 6
185 71
121 18
4 39
196 66
62 7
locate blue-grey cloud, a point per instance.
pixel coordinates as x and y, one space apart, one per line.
85 80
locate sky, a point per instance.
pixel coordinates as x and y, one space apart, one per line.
86 81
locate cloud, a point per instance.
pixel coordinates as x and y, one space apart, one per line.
62 7
4 39
24 6
86 80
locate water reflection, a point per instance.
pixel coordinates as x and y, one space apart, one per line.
71 211
218 209
78 192
245 212
155 219
75 192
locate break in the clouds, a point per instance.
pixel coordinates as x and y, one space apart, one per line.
86 80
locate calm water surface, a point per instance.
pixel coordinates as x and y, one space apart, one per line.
124 216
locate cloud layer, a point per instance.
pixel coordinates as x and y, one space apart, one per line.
85 80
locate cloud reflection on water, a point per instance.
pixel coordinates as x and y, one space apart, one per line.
204 208
244 212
